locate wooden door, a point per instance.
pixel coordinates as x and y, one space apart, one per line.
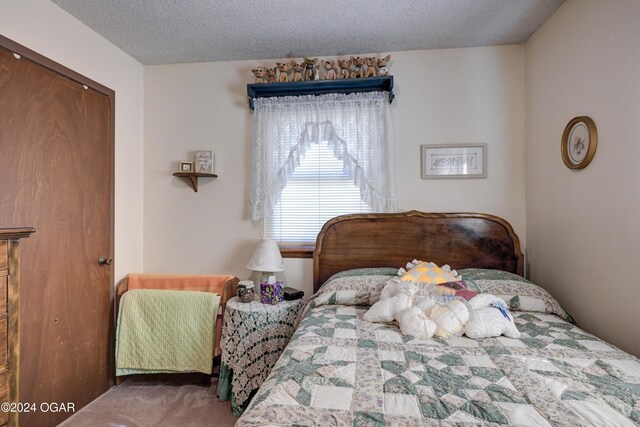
56 174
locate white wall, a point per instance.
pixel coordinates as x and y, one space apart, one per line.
45 28
443 96
583 229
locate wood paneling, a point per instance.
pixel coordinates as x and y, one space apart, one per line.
3 340
3 255
10 321
57 173
3 293
4 396
462 240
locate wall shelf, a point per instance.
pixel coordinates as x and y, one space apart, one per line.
192 177
319 87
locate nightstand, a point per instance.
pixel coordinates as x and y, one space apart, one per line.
253 337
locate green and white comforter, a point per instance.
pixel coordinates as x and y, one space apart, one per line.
339 370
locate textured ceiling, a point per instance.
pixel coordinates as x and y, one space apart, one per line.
173 31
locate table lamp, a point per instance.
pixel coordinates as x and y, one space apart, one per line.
267 260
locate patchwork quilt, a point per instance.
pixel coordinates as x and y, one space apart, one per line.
340 370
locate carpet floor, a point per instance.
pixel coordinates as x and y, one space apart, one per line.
146 403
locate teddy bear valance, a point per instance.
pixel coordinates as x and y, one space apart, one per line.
316 77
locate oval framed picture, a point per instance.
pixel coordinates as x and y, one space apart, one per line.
579 142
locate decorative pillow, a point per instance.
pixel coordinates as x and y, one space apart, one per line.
350 290
375 271
428 272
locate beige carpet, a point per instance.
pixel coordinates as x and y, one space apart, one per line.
146 403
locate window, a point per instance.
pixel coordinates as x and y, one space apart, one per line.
318 190
317 157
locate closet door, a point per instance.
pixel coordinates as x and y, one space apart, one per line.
56 174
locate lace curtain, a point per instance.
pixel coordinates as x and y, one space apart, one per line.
357 128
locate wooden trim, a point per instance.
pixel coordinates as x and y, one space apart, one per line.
297 252
13 315
112 243
26 53
462 240
13 328
14 233
30 55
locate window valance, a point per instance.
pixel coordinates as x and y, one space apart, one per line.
319 87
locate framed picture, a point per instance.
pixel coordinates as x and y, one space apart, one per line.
186 166
453 161
579 142
204 161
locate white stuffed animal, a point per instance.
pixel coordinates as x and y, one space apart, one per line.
401 301
424 303
450 318
395 298
490 318
392 287
415 323
419 314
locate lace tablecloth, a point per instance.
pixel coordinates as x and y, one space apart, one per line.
253 336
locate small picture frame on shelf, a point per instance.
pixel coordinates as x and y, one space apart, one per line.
185 166
204 162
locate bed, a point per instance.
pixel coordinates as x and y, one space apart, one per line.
339 370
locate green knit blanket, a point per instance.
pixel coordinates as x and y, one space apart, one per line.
165 331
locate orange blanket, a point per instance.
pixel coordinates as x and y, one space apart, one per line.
202 283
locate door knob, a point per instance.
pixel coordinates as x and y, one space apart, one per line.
105 261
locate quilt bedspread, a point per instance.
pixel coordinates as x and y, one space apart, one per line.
340 370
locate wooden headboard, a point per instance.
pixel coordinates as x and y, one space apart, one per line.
462 240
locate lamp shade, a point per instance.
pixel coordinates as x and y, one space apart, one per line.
266 257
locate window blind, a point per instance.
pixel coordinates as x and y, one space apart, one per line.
318 190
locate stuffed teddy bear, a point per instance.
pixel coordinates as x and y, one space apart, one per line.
271 75
298 69
344 66
309 68
259 74
489 317
357 67
330 72
382 66
281 74
371 67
